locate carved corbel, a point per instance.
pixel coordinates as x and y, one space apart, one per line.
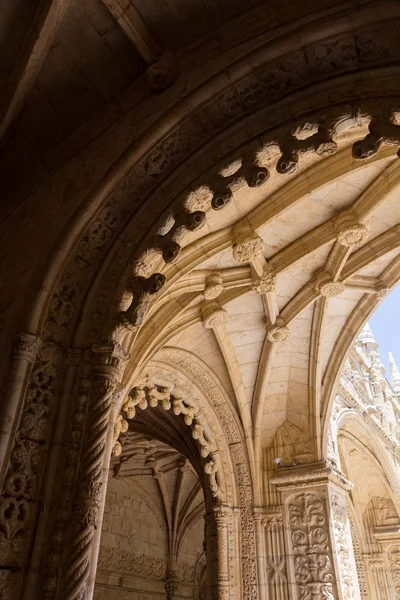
247 243
183 221
249 171
381 132
142 290
321 143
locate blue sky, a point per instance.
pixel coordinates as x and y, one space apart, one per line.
385 324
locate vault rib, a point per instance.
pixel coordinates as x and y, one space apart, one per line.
42 31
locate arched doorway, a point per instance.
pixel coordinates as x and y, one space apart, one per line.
153 532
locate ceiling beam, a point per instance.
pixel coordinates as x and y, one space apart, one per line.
47 19
132 23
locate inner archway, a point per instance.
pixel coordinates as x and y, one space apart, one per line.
153 533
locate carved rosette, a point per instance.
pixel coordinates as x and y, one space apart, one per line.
109 363
213 315
214 286
247 243
328 287
149 394
381 291
349 232
267 282
278 332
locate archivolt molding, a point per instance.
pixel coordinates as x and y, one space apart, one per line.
247 491
147 393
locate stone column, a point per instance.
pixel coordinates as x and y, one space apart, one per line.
320 554
17 478
219 526
108 366
25 348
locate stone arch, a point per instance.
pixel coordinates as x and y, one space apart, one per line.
95 253
374 505
375 449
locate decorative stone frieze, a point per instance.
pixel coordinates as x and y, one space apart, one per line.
344 548
312 554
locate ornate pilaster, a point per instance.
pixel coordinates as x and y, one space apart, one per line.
259 515
223 518
275 562
321 558
108 366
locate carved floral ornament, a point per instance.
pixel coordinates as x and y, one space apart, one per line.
318 137
149 394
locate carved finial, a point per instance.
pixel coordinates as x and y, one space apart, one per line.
279 332
394 374
248 244
213 315
267 282
366 336
214 286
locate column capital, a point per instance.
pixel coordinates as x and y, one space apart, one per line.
109 360
222 513
26 346
311 474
